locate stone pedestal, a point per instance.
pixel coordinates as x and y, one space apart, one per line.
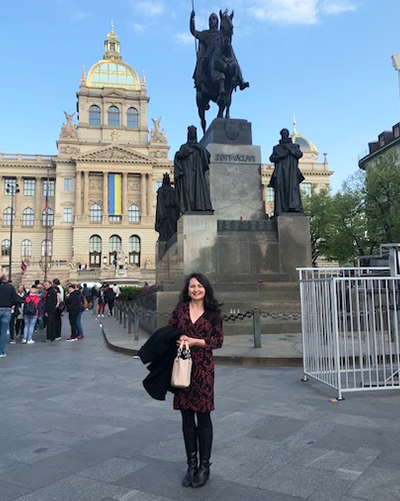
235 170
294 239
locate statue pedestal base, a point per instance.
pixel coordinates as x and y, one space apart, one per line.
234 175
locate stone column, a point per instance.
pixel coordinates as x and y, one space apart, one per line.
86 193
18 203
78 192
38 201
124 193
105 197
143 208
150 194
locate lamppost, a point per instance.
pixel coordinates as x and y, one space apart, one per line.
11 189
396 65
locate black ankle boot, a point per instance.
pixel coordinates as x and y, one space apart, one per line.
203 474
191 471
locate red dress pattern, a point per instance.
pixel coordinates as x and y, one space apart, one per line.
200 394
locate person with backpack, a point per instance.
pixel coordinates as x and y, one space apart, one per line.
59 307
110 298
74 307
31 311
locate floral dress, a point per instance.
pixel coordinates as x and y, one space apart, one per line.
199 396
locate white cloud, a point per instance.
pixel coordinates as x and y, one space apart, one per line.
184 38
138 28
298 11
150 8
82 15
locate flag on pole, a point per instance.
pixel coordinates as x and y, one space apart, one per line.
114 194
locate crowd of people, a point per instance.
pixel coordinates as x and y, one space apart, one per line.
41 308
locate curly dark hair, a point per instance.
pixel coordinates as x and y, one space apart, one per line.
211 305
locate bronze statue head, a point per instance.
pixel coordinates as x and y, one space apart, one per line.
213 21
192 134
166 180
285 134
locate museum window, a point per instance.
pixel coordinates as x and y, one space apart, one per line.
10 185
114 246
94 116
132 118
51 187
113 116
306 189
7 216
29 187
95 245
270 195
134 250
134 214
28 217
67 215
95 213
48 220
5 248
26 249
46 248
68 184
158 185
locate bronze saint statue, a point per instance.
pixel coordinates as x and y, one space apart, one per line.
217 71
190 166
287 177
167 211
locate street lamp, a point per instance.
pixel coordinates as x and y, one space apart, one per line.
396 65
11 189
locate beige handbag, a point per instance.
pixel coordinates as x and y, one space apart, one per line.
182 368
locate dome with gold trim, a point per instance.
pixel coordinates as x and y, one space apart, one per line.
111 71
305 144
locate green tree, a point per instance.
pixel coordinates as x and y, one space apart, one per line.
318 207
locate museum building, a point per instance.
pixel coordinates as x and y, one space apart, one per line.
88 213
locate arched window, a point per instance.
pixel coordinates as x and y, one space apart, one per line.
5 248
132 118
114 246
113 116
95 251
46 245
95 213
7 216
94 115
28 217
26 249
48 220
134 250
134 214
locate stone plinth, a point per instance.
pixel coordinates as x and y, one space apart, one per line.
235 170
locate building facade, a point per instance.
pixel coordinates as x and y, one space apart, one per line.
316 173
88 212
387 140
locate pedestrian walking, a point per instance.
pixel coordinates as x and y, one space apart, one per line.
84 304
74 306
102 302
31 312
198 317
59 308
110 298
17 317
50 304
94 296
40 323
8 298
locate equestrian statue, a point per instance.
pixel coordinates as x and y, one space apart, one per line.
217 71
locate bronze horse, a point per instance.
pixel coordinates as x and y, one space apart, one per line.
223 74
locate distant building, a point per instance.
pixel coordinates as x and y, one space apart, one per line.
100 188
386 141
316 174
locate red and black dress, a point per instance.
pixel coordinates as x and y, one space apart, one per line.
199 396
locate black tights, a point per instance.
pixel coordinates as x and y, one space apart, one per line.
203 419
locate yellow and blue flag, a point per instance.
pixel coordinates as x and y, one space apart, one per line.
114 194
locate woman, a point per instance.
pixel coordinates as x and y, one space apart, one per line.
110 298
198 316
102 302
31 312
17 316
73 303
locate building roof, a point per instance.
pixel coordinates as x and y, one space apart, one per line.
304 143
111 71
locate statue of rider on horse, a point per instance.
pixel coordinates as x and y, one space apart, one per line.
217 71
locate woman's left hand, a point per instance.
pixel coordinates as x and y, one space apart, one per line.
188 339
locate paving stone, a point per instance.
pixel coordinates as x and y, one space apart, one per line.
112 469
322 459
377 484
37 452
278 429
357 463
331 490
9 490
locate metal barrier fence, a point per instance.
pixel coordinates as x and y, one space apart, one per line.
129 314
350 328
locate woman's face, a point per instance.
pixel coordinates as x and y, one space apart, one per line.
196 290
20 288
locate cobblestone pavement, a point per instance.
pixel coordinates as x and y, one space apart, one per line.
76 425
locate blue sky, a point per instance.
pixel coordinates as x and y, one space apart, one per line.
326 60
